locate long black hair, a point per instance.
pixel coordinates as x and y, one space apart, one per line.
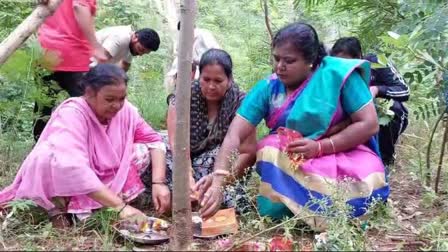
102 75
304 38
347 45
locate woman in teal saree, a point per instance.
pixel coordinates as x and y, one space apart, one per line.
309 95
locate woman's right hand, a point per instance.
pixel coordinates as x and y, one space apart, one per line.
128 211
308 147
161 197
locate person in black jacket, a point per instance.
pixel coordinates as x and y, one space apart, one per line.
386 83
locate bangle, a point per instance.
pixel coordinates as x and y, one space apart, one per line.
332 145
159 183
319 149
221 172
121 210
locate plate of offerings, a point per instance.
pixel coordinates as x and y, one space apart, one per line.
152 231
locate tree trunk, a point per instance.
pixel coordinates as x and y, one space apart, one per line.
182 229
26 28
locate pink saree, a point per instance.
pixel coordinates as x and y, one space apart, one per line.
77 155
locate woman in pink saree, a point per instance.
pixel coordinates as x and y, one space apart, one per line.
91 152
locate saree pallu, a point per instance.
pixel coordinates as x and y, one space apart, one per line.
355 176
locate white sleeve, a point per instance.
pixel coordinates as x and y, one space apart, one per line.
204 41
114 44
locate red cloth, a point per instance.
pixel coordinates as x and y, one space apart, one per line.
61 33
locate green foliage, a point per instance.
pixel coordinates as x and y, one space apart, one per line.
14 90
102 221
437 232
26 211
342 233
21 206
421 65
385 115
119 13
250 48
412 34
12 14
364 15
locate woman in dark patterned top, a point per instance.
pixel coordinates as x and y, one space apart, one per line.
214 101
386 83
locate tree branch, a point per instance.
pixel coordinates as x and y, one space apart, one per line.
264 6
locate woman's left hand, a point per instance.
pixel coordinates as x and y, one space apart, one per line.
309 148
210 189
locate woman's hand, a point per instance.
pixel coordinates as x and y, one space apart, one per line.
128 211
309 148
210 191
203 184
161 196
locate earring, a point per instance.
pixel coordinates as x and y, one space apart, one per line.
311 65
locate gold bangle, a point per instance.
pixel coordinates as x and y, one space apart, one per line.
332 145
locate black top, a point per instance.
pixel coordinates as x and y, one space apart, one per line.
390 85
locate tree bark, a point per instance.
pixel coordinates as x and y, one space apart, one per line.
182 228
26 28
